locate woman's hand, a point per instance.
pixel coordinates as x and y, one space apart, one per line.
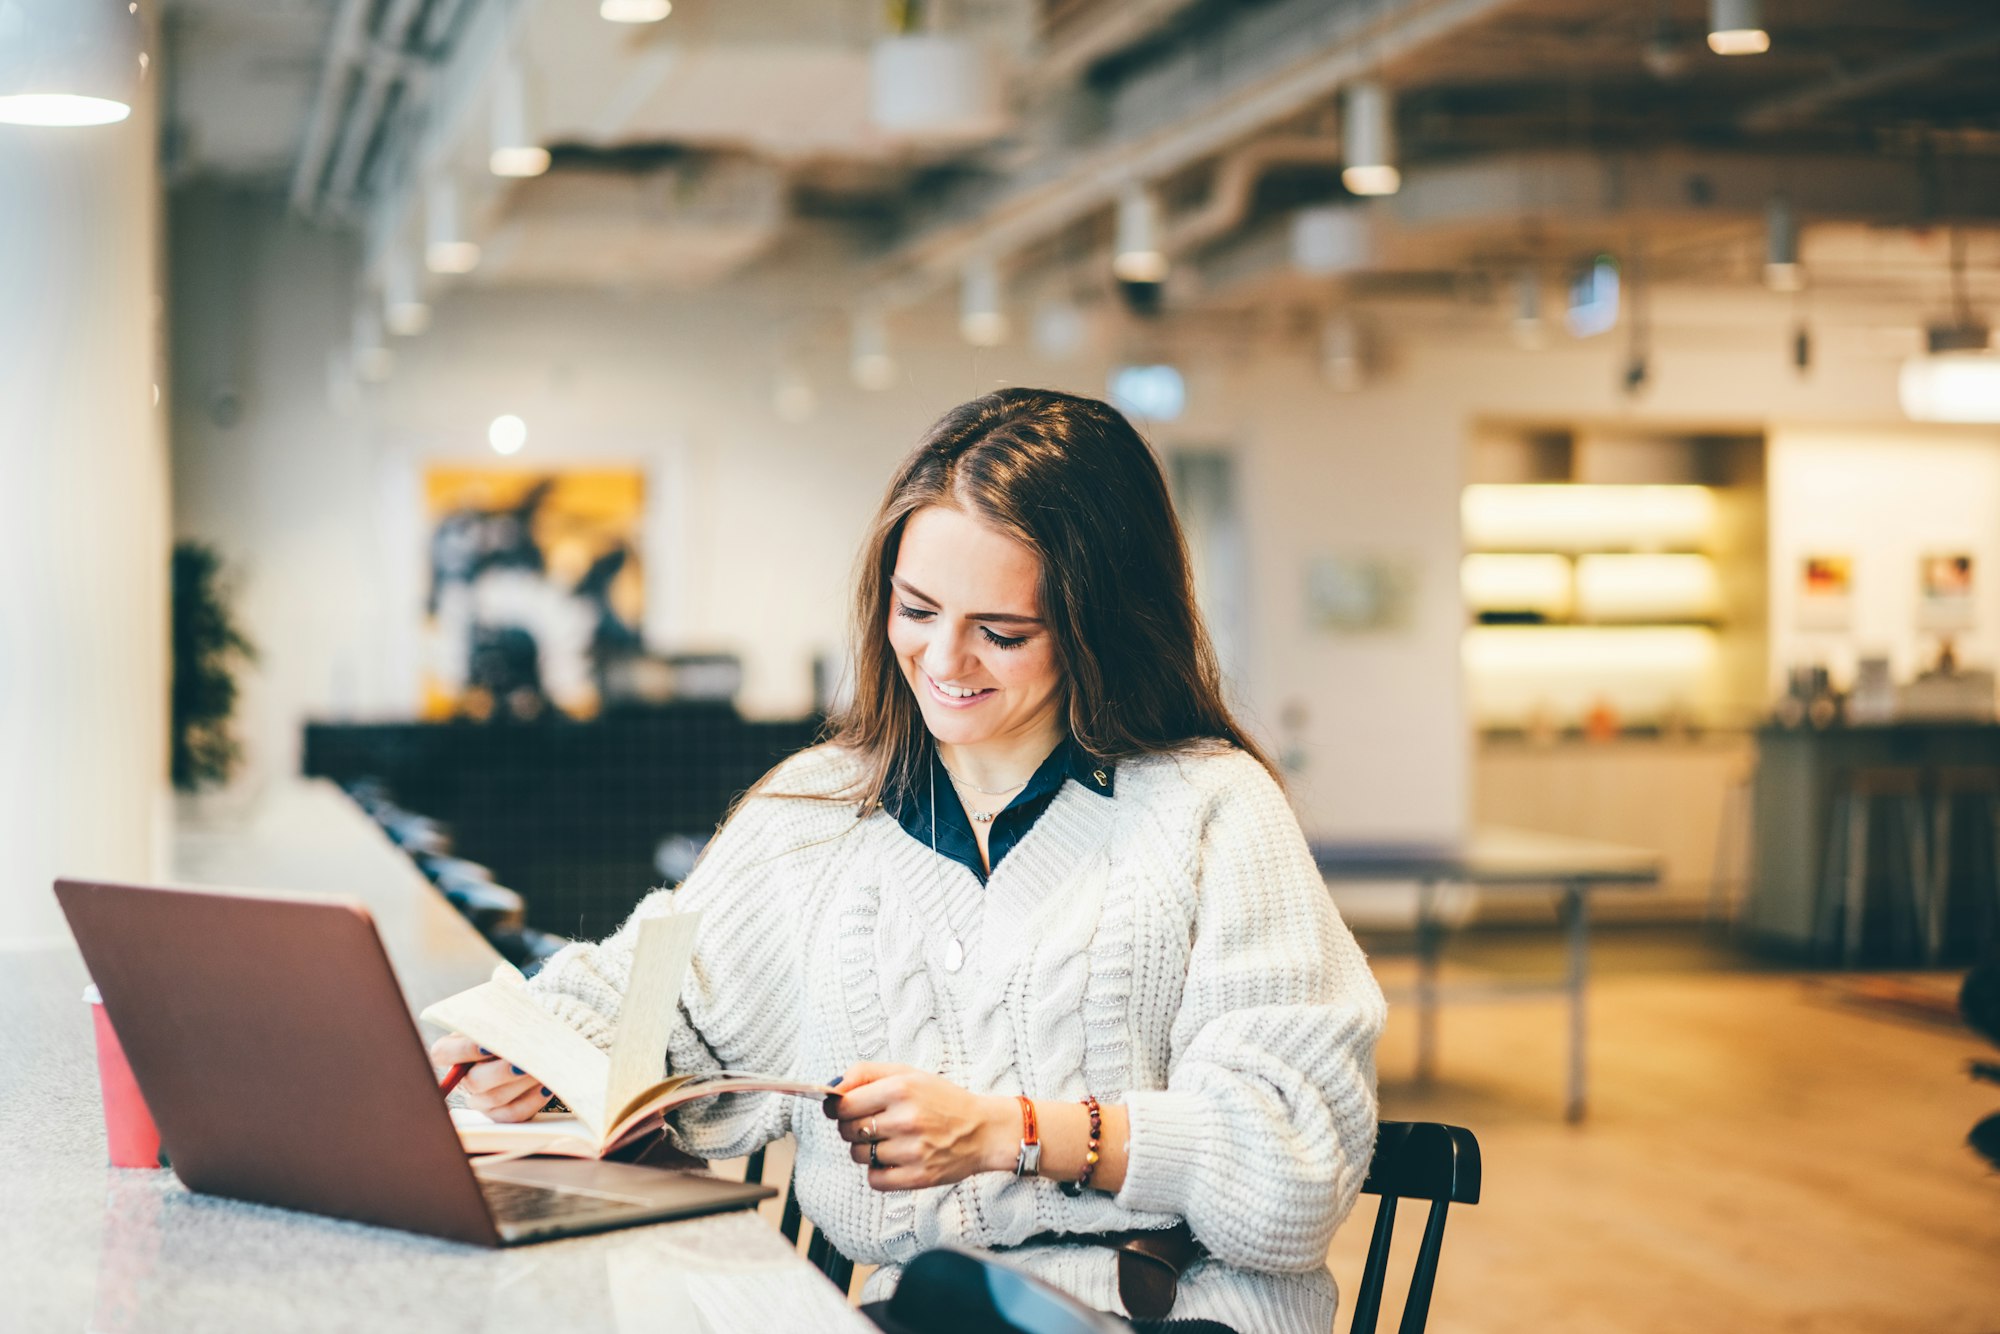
493 1085
925 1130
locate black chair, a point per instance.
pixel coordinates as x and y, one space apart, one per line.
1414 1160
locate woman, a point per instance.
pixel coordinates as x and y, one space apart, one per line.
1037 872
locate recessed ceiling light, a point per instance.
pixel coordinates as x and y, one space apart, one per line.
635 11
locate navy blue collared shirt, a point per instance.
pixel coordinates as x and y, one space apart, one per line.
954 835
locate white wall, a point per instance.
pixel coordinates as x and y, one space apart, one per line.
83 695
1884 496
756 521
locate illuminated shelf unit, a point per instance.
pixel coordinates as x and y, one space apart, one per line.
1641 596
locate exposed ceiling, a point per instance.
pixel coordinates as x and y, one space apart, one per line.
1531 131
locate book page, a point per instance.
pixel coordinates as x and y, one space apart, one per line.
554 1133
676 1092
652 998
501 1017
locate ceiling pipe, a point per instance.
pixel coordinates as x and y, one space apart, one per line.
1791 108
1235 187
1093 178
1111 28
388 64
323 122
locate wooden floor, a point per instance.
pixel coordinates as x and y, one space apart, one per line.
1759 1155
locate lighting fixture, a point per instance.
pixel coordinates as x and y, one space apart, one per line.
1527 324
792 397
1368 140
68 62
871 365
1782 271
1343 353
634 11
1139 257
514 150
404 309
507 433
446 249
981 322
1958 381
1593 299
1736 28
372 359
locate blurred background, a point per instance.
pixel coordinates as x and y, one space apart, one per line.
1583 413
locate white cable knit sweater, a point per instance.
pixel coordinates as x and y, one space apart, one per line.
1172 948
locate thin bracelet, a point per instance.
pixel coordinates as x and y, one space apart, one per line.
1029 1161
1075 1188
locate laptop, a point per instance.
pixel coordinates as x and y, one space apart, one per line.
271 1041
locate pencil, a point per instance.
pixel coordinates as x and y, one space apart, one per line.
456 1073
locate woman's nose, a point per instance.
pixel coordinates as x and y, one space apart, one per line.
945 656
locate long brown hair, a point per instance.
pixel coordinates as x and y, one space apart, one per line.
1069 479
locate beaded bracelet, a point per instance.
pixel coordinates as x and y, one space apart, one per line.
1075 1188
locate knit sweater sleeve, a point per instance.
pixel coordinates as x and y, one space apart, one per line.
1262 1137
740 1000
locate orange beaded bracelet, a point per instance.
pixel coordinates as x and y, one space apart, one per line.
1075 1188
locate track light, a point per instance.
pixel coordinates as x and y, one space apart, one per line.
1368 140
1140 257
404 309
1528 329
1736 28
372 359
446 249
981 322
514 150
69 62
1343 352
871 365
1782 272
634 11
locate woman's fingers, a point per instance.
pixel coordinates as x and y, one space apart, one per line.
454 1049
524 1105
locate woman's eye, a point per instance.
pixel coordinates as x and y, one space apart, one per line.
1002 641
913 613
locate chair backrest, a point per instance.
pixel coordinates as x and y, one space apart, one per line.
1414 1160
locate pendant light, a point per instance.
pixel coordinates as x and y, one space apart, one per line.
1958 379
1139 257
1368 140
870 364
446 247
981 321
69 62
514 150
1736 28
1782 272
372 359
404 310
634 11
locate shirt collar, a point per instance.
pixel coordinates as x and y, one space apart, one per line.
1066 761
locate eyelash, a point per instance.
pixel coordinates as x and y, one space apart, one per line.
997 641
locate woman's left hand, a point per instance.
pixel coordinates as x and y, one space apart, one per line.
925 1130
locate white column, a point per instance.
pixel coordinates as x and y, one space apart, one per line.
83 514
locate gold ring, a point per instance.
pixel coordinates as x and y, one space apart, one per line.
873 1145
868 1128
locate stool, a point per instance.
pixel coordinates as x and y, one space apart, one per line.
1955 783
1843 906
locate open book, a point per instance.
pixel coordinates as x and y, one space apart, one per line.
614 1097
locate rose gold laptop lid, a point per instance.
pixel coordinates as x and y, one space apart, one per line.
272 1044
271 1041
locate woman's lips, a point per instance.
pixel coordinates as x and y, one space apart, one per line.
953 701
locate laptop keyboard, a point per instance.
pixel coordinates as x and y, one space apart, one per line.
513 1202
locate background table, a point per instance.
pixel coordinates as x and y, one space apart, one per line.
1506 860
88 1247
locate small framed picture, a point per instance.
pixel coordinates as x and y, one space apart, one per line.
1826 592
1944 591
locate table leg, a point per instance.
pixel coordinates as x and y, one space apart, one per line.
1428 943
1576 902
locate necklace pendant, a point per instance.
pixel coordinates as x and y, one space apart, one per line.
983 817
954 955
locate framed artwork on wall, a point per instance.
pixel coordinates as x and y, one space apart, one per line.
535 589
1826 592
1944 591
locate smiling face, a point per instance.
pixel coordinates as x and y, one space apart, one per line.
965 626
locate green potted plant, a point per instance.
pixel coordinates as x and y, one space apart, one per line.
209 649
